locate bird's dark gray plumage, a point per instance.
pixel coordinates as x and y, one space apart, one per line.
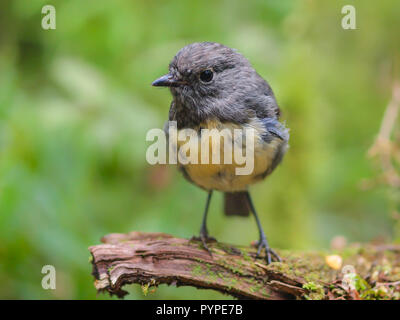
235 91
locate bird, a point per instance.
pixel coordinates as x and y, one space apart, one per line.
215 87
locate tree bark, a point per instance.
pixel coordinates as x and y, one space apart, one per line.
150 259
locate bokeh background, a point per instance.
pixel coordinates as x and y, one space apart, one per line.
76 103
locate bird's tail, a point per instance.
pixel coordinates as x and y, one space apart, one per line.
236 204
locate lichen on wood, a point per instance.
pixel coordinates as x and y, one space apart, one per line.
151 259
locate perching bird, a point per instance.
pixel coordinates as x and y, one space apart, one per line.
215 87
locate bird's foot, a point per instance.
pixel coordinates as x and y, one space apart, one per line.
204 238
269 253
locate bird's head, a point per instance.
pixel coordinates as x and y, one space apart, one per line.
209 78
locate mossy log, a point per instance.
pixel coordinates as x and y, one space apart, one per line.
151 259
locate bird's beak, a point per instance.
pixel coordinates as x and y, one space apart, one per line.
166 81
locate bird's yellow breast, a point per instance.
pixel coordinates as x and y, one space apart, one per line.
223 176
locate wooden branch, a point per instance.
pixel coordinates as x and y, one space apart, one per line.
151 259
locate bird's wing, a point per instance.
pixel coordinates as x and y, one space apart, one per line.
274 128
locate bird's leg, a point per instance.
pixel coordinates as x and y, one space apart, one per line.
204 237
262 243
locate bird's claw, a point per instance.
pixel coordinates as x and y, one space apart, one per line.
204 238
263 244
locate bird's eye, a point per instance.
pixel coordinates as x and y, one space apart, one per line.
206 75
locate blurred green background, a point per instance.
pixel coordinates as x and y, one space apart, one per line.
76 103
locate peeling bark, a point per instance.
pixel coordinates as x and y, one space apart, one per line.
150 259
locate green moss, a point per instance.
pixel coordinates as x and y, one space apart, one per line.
247 257
110 269
197 270
208 273
310 286
240 270
315 291
145 288
257 288
310 268
233 282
